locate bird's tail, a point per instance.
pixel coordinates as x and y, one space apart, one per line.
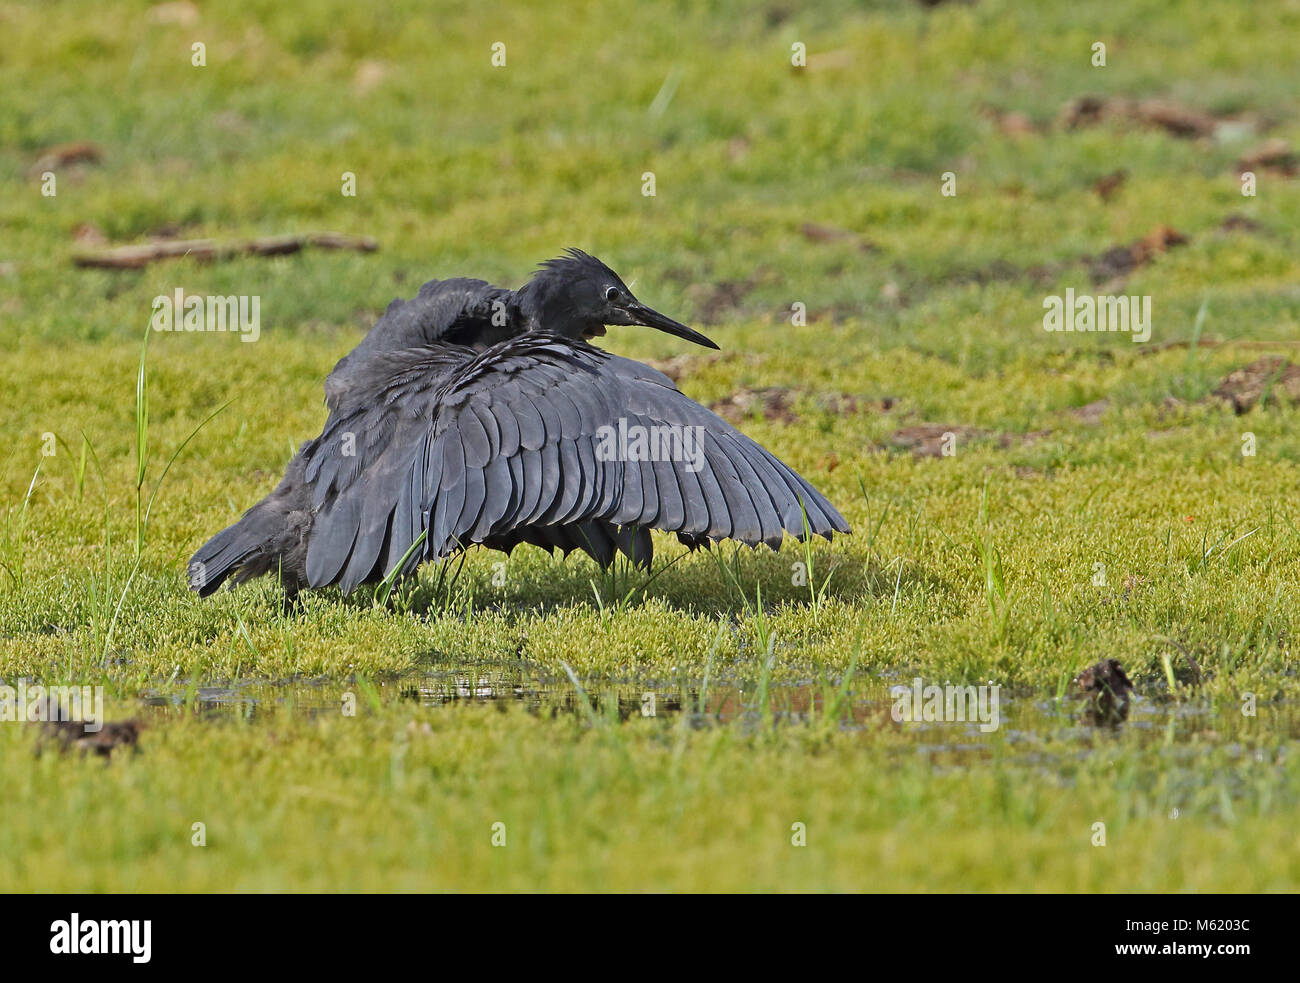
271 537
241 549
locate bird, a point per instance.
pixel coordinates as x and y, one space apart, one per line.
474 414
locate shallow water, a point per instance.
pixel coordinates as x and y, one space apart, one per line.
1028 724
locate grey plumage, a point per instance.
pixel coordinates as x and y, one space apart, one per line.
472 414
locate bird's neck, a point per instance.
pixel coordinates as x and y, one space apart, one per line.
544 310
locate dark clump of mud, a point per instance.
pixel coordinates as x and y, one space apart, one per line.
1011 122
720 301
1091 414
68 735
1272 376
776 403
935 439
817 232
1109 267
1105 187
1106 688
1273 155
65 154
846 404
689 363
1120 261
769 402
943 439
1160 114
1240 223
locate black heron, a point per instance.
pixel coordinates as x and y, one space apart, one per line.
478 415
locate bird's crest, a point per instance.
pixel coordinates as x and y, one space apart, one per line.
575 263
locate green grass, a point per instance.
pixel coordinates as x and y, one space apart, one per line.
978 567
406 799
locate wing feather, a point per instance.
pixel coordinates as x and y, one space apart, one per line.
501 447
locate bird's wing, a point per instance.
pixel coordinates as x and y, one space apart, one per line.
444 311
466 448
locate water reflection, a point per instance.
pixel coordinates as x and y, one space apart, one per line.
1031 724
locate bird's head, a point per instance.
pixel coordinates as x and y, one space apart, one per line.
577 295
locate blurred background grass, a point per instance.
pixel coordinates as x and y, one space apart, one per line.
466 167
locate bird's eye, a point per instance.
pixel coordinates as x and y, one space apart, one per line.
611 293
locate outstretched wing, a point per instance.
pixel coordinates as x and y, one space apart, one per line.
531 435
456 311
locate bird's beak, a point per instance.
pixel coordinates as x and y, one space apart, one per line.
651 318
